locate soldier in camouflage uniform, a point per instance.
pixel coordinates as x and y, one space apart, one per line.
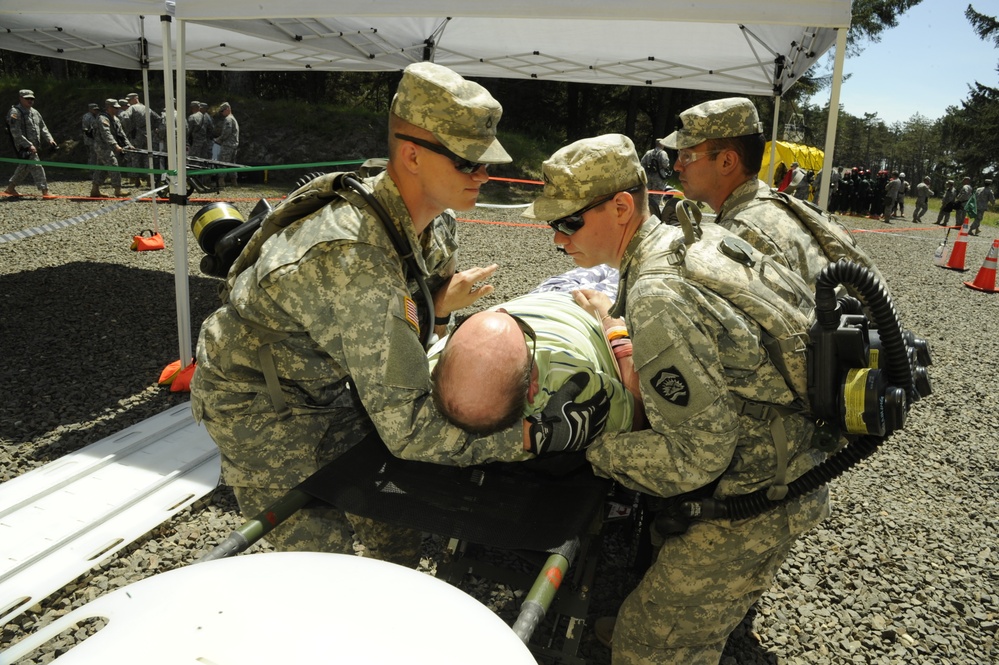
89 125
703 369
197 140
208 122
328 311
135 130
723 145
228 140
29 133
109 144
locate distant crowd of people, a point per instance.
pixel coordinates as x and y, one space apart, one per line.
118 134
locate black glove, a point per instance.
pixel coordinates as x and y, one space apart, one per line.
564 424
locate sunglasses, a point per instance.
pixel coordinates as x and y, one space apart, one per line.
461 164
572 223
531 335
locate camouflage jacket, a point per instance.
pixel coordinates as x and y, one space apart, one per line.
330 289
758 216
229 136
27 128
699 359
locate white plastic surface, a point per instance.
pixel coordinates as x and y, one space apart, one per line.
59 520
289 607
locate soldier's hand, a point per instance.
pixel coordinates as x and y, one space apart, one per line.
463 289
595 302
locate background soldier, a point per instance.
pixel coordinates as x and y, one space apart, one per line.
228 140
89 125
209 129
196 138
28 133
110 144
135 130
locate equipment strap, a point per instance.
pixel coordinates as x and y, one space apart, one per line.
774 415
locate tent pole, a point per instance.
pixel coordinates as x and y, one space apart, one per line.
833 120
773 142
181 281
178 187
144 63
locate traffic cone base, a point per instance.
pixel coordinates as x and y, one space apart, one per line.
957 254
985 280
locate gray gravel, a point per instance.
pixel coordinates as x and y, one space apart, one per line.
905 570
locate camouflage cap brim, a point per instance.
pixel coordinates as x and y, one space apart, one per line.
461 114
717 119
583 171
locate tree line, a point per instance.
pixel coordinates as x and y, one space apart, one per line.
963 142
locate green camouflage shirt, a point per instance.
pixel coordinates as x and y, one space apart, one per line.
571 344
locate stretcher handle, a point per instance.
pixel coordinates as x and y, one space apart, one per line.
546 585
258 526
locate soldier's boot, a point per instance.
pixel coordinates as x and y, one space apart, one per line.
10 191
95 193
120 194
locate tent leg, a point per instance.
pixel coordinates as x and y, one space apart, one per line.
773 142
833 119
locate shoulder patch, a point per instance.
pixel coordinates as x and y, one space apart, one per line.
671 386
412 314
13 115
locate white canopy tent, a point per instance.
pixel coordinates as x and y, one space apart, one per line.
758 47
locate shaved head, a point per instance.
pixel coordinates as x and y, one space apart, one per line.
483 374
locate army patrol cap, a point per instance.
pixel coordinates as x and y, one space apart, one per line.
92 106
583 171
223 106
717 119
132 94
461 114
113 103
26 94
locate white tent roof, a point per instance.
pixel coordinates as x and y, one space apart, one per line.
756 47
723 45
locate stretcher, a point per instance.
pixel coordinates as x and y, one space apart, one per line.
551 517
196 181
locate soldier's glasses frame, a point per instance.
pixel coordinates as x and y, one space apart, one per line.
461 164
572 223
687 157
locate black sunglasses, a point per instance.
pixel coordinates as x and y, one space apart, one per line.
572 223
531 335
461 164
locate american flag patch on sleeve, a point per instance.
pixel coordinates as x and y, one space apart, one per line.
412 315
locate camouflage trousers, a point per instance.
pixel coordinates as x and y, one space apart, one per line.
36 172
264 456
703 583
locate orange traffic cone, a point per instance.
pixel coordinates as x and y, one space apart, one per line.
986 278
956 261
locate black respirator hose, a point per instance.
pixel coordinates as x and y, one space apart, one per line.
899 372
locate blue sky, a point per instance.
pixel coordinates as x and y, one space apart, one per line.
923 65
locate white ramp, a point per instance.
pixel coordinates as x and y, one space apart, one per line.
58 521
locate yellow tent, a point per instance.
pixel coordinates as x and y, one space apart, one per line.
808 158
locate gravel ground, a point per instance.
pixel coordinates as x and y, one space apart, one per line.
905 570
